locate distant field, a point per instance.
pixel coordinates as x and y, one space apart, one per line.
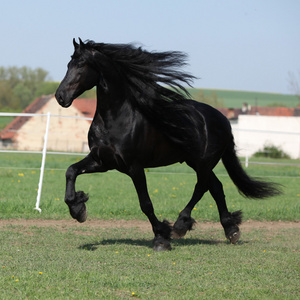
4 121
235 99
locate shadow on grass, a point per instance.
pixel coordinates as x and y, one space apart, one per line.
148 244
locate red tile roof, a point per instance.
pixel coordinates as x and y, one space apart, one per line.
86 106
260 110
272 111
10 130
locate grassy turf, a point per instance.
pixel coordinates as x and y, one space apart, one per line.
94 263
86 262
112 194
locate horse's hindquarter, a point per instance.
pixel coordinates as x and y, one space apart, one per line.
217 126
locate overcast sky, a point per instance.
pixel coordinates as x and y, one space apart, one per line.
232 44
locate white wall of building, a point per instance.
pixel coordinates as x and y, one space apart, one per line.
252 132
65 134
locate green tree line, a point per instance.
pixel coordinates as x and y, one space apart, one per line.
21 85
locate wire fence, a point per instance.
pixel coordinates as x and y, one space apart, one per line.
36 134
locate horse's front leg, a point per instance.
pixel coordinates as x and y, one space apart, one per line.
162 230
75 200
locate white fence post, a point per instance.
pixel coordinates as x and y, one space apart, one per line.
246 160
38 198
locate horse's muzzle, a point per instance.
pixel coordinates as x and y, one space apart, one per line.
60 100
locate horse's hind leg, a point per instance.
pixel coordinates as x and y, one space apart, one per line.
75 200
162 230
229 221
185 222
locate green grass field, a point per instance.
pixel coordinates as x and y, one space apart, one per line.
112 194
88 262
235 99
68 260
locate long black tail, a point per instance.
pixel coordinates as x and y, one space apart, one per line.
249 187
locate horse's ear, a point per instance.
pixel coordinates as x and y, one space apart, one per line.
81 42
75 44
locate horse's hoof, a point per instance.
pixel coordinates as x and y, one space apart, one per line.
161 244
77 207
178 234
79 212
82 215
234 237
182 226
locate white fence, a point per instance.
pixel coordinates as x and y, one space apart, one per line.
247 140
42 130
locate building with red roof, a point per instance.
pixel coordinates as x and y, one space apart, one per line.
65 133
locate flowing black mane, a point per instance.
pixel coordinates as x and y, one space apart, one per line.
155 86
144 68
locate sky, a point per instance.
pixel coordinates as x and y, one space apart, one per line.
231 44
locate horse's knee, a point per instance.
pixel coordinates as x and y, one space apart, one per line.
71 173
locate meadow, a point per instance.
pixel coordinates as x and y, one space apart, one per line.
235 99
112 194
50 256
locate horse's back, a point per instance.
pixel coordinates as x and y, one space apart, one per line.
215 121
211 115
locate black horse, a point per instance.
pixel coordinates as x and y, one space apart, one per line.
145 119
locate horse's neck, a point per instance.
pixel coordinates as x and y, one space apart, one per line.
112 106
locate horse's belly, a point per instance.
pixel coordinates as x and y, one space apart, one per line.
162 156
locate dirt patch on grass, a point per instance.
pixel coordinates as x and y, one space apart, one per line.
141 225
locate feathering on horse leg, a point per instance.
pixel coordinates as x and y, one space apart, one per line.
185 222
230 221
76 200
161 230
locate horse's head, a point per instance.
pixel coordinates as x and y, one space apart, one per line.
80 76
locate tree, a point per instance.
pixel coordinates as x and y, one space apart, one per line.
46 88
19 86
294 83
6 96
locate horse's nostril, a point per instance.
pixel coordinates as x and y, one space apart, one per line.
59 98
